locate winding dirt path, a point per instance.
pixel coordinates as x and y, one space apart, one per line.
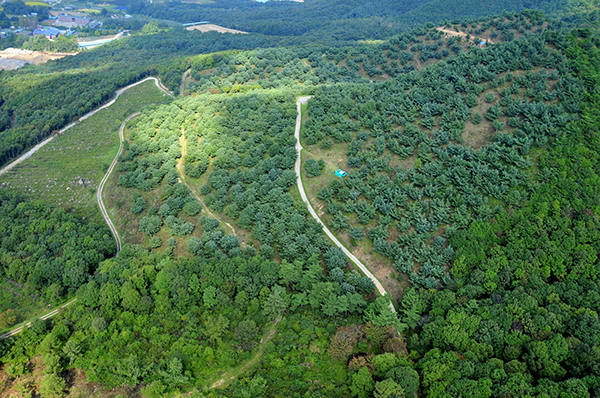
183 78
183 143
43 317
232 374
112 227
100 187
118 93
359 264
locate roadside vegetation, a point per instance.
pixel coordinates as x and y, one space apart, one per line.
68 170
472 184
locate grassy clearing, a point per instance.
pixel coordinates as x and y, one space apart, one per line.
22 300
37 3
335 157
68 169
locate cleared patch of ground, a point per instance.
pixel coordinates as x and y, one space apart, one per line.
78 386
14 58
68 169
210 27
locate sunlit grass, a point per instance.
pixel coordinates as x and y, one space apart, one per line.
68 169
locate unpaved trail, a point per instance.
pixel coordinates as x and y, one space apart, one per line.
118 93
112 227
459 34
43 317
359 264
183 143
100 187
183 78
231 375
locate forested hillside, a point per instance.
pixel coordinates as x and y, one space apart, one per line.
36 101
472 193
340 19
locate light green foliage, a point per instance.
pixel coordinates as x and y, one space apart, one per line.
388 388
383 363
210 297
362 384
150 28
275 305
215 327
52 386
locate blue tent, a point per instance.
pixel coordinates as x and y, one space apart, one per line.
340 173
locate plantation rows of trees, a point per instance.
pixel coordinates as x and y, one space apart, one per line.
322 20
268 68
36 101
499 236
520 318
50 105
422 116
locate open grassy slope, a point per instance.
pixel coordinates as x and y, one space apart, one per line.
67 170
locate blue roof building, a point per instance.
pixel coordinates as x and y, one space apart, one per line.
48 32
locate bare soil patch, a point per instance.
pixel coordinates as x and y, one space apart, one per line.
216 28
9 58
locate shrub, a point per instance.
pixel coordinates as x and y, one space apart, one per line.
313 167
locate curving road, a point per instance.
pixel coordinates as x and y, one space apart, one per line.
112 227
363 268
118 93
100 187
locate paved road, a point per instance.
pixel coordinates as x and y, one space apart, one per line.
363 268
36 148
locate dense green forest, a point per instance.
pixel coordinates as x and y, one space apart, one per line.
46 251
473 176
339 19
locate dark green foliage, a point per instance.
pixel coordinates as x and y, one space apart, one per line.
516 313
44 246
406 377
150 225
314 167
192 208
324 20
423 114
139 204
518 319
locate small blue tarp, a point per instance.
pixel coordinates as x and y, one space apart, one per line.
340 173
